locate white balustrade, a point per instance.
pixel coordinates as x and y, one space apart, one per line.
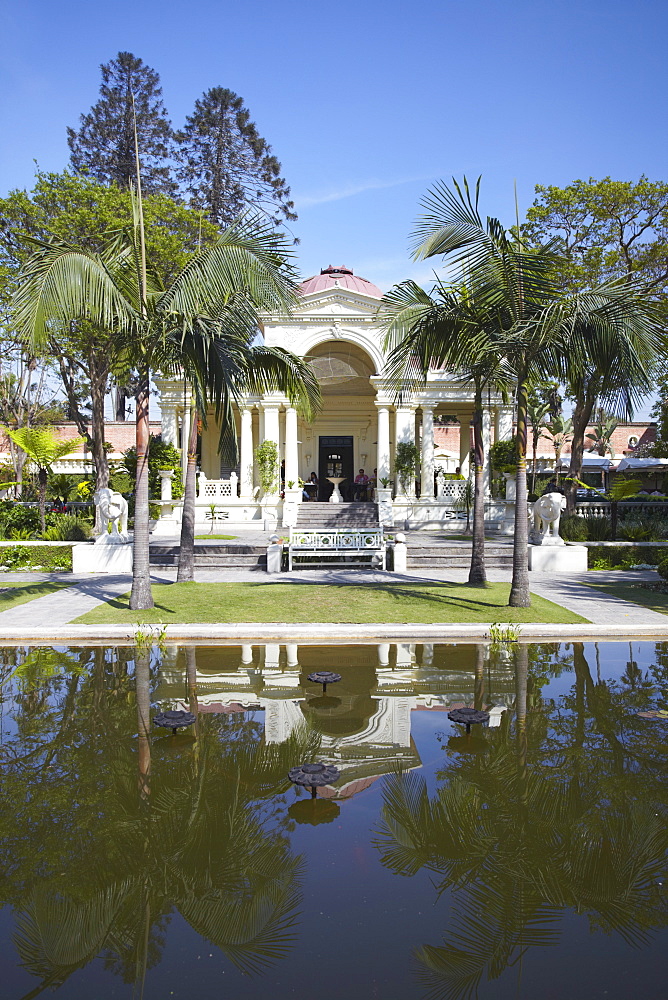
217 489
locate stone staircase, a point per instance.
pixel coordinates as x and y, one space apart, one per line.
338 515
441 553
210 556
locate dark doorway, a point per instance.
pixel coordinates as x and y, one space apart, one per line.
336 459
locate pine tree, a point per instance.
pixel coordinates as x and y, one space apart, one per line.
103 146
226 165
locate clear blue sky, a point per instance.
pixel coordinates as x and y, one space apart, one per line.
366 103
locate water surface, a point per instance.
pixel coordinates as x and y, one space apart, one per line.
527 860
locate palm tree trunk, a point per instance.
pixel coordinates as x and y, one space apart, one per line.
519 590
143 699
581 417
97 436
477 574
186 570
41 481
141 596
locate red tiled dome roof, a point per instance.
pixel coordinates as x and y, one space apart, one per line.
340 276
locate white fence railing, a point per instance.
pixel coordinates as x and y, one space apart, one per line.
217 489
604 508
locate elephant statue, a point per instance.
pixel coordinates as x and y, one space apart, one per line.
113 511
546 516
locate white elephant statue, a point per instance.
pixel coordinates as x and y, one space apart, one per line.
546 516
113 508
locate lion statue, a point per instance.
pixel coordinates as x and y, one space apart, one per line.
113 511
546 516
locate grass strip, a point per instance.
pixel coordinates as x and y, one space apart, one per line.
368 603
13 594
635 594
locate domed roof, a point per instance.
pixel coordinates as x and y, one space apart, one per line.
341 276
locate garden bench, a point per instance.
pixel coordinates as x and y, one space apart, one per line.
317 547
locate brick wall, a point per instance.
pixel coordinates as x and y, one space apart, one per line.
119 434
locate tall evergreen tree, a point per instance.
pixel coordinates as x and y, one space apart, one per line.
226 165
103 145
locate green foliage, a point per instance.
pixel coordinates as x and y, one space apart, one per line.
662 567
160 456
266 458
608 228
573 528
503 456
623 556
41 445
68 528
50 558
598 529
16 517
634 529
63 488
406 463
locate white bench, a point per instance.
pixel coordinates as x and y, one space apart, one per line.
336 547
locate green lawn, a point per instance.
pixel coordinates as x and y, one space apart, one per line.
13 594
210 537
413 603
636 594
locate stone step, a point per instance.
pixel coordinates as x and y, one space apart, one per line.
213 556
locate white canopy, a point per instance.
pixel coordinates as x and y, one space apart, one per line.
589 461
642 463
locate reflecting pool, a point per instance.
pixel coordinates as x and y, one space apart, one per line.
525 860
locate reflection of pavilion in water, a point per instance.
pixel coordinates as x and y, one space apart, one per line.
365 720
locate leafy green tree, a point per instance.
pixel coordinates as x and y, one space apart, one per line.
103 147
84 212
44 449
601 435
225 164
608 229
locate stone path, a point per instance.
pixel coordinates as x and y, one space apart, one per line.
84 593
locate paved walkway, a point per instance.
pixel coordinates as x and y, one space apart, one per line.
606 613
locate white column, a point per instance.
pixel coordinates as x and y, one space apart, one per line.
486 443
169 424
246 454
271 433
427 472
291 457
405 433
383 437
503 423
464 443
292 649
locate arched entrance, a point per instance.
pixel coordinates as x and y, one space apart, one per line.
343 435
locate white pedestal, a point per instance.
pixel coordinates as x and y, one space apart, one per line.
558 558
88 558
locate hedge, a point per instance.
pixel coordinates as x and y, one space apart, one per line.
49 558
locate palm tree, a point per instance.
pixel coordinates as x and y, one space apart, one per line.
43 448
539 330
560 429
202 323
602 434
446 330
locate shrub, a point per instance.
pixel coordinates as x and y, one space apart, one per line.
623 556
14 517
68 528
598 529
662 568
573 528
638 531
160 456
49 558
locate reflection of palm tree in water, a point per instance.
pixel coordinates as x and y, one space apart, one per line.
516 843
189 840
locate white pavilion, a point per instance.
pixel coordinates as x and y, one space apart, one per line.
359 426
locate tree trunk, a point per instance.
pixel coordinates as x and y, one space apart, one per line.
519 590
477 574
98 449
143 698
141 596
186 570
41 480
584 404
